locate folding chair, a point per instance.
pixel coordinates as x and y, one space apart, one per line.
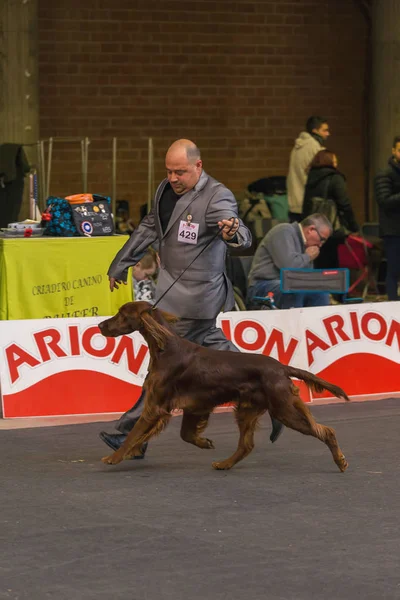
371 231
300 281
332 281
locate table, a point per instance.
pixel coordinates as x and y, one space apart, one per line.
59 277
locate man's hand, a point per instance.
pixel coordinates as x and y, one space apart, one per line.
312 251
115 283
230 227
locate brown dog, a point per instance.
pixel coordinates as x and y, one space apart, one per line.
195 379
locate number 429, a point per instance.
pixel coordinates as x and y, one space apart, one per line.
188 235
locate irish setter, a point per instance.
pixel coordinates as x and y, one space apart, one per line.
183 375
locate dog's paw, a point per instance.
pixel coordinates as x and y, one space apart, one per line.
222 466
135 453
111 460
205 443
342 463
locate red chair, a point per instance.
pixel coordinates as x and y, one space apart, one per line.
354 255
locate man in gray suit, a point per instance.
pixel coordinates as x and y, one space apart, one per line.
189 207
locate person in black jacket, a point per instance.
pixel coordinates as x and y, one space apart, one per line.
13 168
387 195
325 181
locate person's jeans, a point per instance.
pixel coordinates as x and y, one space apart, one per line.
283 301
392 251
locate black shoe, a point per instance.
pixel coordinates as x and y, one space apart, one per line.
115 441
277 429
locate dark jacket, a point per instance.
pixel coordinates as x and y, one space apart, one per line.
387 195
13 167
327 182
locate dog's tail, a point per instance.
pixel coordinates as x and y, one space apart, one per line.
316 383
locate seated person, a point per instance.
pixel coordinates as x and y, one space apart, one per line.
288 245
143 272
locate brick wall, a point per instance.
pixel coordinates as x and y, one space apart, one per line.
239 78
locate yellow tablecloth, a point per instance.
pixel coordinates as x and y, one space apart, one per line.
59 277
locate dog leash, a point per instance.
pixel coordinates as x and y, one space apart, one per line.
190 264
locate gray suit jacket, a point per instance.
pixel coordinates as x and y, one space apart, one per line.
204 289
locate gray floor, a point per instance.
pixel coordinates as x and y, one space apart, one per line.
285 524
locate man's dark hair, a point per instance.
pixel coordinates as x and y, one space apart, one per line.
396 141
314 122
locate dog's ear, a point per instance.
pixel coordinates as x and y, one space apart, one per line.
169 317
157 331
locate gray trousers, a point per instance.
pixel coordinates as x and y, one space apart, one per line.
200 331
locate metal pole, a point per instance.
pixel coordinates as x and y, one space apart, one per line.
38 215
31 196
114 178
83 165
49 160
87 142
39 170
43 173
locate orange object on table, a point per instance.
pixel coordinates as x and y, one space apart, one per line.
79 198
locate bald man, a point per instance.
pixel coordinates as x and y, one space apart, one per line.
189 207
